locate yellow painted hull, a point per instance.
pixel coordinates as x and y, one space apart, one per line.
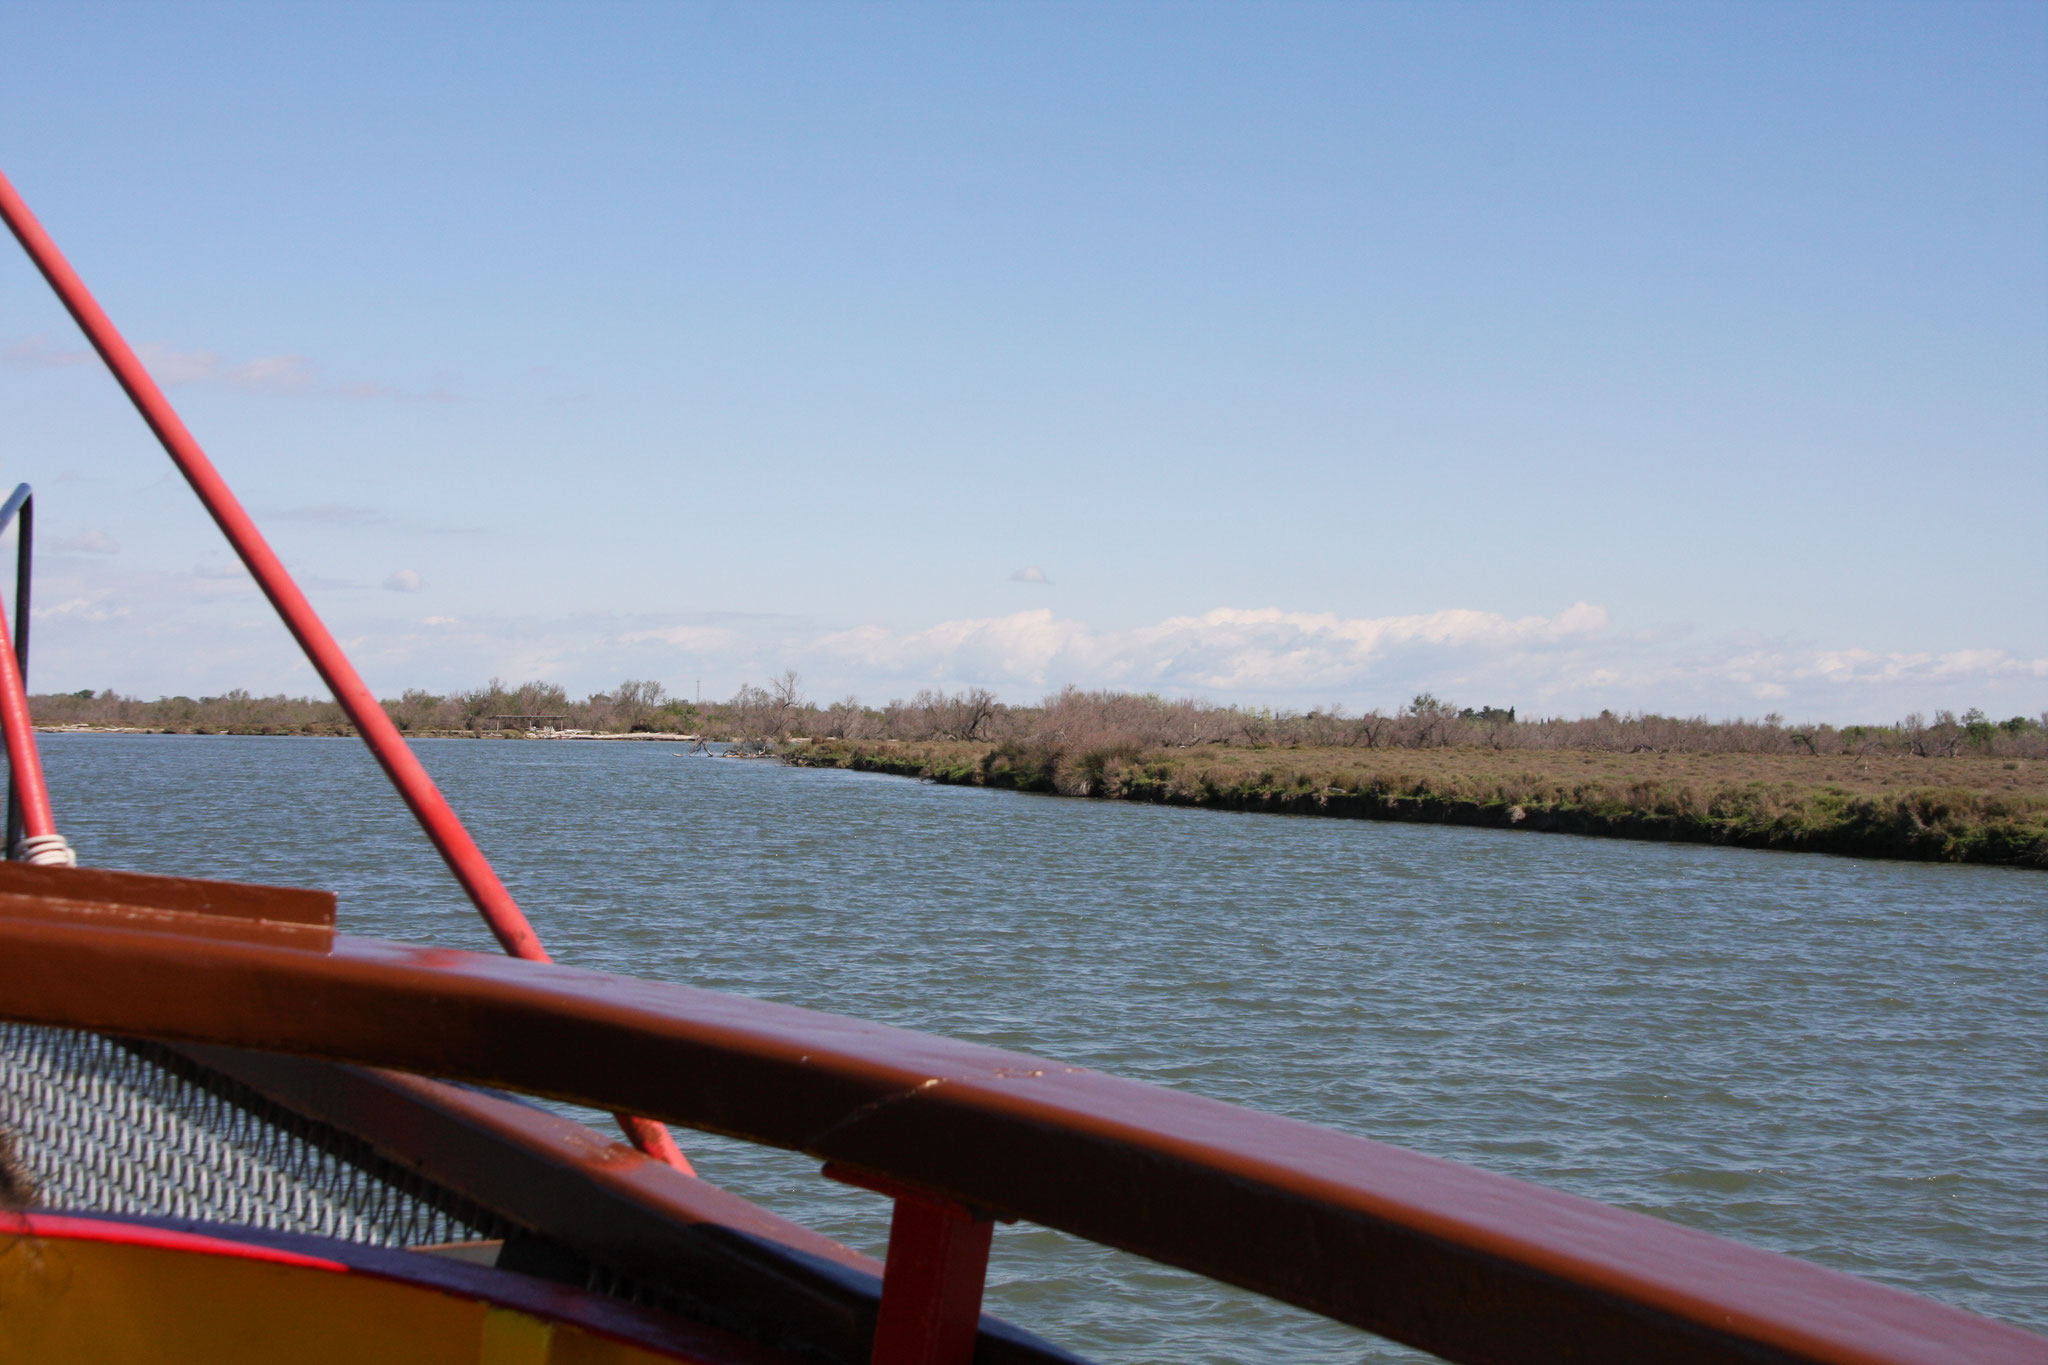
65 1298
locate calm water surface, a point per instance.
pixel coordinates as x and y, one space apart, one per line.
1846 1061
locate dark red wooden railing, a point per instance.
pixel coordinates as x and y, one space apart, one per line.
1467 1264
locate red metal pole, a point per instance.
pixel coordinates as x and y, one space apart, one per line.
22 758
436 817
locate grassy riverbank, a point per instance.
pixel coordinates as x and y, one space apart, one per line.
1957 809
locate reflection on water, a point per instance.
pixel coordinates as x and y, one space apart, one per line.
1847 1061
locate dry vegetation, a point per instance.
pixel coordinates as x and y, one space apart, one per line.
634 705
1067 726
1955 788
1962 809
1072 724
1965 788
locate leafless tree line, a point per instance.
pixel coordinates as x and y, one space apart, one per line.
1072 720
636 704
1080 720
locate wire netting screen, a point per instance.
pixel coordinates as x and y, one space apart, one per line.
131 1128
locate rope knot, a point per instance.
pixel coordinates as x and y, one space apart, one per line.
46 850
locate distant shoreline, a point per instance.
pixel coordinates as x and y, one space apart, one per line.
275 732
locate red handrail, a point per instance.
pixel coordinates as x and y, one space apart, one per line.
1458 1261
436 817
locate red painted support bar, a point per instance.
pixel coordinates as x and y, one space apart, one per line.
436 817
931 1287
22 759
932 1281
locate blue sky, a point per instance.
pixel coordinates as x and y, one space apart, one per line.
1685 358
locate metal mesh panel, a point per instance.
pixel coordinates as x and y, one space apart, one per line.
124 1127
131 1128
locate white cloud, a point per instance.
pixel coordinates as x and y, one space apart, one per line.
264 374
40 352
1225 652
1030 574
405 580
95 609
1569 662
710 639
211 570
87 543
174 367
330 514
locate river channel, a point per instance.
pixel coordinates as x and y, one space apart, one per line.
1842 1060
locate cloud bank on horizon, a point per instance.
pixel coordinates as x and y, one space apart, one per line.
138 636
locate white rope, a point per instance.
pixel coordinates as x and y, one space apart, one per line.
47 850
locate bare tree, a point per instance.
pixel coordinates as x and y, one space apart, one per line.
634 701
976 707
754 713
1430 720
787 695
414 709
479 702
